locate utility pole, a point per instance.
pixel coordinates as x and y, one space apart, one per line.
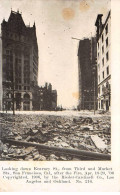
94 94
93 69
13 83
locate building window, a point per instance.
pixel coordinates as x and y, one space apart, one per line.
99 90
103 74
106 29
102 38
19 60
107 69
107 56
107 42
98 55
7 52
103 61
102 49
99 78
101 104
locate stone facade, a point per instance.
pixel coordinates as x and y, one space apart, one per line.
45 98
104 62
20 63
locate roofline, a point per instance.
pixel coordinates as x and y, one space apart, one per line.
103 25
99 15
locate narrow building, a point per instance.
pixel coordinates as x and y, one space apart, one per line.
19 63
87 71
104 61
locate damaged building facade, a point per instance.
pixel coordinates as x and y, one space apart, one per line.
87 70
19 63
45 98
104 61
19 68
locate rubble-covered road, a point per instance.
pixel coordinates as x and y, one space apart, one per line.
72 130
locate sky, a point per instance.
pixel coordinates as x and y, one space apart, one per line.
57 21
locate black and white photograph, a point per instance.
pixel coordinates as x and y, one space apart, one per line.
55 80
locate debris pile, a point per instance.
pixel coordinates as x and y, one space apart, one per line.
81 133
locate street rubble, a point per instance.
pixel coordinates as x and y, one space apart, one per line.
72 132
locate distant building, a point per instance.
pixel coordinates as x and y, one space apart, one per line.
54 99
104 61
19 63
87 70
0 73
45 98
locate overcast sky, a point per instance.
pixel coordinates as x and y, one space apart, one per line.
57 21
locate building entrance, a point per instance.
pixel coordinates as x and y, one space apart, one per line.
26 103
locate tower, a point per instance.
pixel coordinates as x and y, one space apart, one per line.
20 63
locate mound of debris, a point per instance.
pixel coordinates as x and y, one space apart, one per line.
82 133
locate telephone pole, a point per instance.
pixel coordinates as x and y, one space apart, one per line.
13 83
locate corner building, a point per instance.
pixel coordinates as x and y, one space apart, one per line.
104 62
19 63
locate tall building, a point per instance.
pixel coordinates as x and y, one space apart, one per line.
20 63
104 61
0 73
87 70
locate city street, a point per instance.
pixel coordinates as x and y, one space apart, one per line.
63 129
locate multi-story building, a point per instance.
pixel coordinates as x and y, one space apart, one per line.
87 71
54 99
19 63
45 98
104 61
0 73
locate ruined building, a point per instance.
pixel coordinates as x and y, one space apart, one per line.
104 61
87 70
45 98
19 63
